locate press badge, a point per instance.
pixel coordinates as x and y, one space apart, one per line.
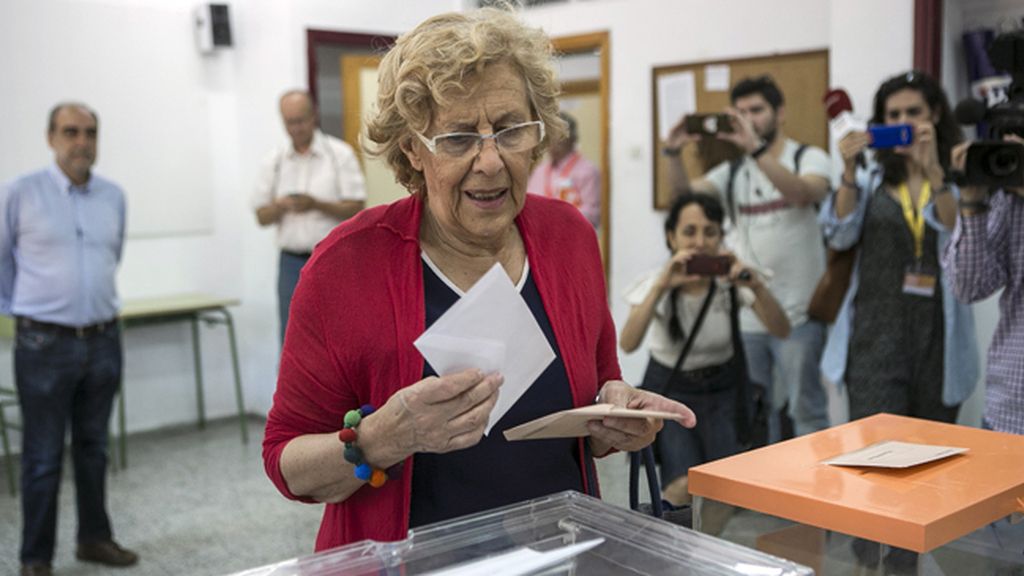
920 280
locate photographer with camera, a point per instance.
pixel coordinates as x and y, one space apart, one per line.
691 307
910 348
986 253
770 194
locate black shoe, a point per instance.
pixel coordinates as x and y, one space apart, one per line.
36 569
105 552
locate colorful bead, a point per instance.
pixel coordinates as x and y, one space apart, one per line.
363 471
352 418
353 454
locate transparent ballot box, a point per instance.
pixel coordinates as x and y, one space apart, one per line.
562 534
958 515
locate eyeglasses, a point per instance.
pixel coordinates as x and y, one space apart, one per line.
458 145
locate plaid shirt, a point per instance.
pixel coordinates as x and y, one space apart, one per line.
986 253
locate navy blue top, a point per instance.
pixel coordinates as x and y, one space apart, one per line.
496 472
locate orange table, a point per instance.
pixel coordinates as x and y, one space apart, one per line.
920 508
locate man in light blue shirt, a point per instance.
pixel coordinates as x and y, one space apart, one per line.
61 235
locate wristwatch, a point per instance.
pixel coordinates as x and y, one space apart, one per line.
670 150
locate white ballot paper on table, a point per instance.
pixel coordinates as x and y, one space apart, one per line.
894 454
492 329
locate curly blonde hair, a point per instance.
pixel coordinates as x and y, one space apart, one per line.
439 59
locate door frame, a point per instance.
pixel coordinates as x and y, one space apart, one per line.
581 44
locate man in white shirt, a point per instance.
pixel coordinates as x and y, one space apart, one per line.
770 195
306 188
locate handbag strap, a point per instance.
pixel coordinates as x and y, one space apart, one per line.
693 332
647 452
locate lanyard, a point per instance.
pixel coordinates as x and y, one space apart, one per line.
563 173
915 218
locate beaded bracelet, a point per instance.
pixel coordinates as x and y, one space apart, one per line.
375 476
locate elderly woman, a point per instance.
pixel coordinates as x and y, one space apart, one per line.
465 104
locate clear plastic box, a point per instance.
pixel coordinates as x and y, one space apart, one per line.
633 544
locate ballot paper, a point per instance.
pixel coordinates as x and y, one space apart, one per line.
518 561
573 423
492 329
893 454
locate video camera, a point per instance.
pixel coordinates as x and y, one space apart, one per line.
994 162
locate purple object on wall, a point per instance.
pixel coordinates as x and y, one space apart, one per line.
976 43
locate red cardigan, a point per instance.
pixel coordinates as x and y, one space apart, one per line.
357 309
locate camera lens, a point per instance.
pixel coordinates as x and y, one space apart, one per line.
1002 162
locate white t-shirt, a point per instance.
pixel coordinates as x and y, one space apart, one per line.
713 345
328 171
772 234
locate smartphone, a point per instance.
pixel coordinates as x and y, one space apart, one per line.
886 136
708 124
703 265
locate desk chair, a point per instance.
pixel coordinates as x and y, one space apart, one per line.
8 399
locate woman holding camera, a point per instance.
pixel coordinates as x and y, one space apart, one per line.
910 348
691 306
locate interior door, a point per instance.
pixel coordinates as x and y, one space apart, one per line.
359 93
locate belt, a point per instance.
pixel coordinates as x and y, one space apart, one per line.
297 254
76 331
700 374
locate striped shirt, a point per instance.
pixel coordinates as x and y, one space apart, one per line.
986 253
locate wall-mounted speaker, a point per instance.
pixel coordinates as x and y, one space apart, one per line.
212 27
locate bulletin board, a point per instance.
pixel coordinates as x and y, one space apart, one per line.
802 77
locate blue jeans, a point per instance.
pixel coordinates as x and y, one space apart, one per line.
797 358
61 378
289 267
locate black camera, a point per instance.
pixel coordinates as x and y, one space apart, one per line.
994 162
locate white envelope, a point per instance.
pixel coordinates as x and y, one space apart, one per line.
894 454
492 329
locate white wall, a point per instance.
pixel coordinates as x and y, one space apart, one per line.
238 88
232 95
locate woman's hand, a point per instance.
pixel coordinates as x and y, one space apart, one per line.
629 434
851 146
741 274
442 414
924 151
674 275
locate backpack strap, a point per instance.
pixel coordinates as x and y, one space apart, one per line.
730 196
796 158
